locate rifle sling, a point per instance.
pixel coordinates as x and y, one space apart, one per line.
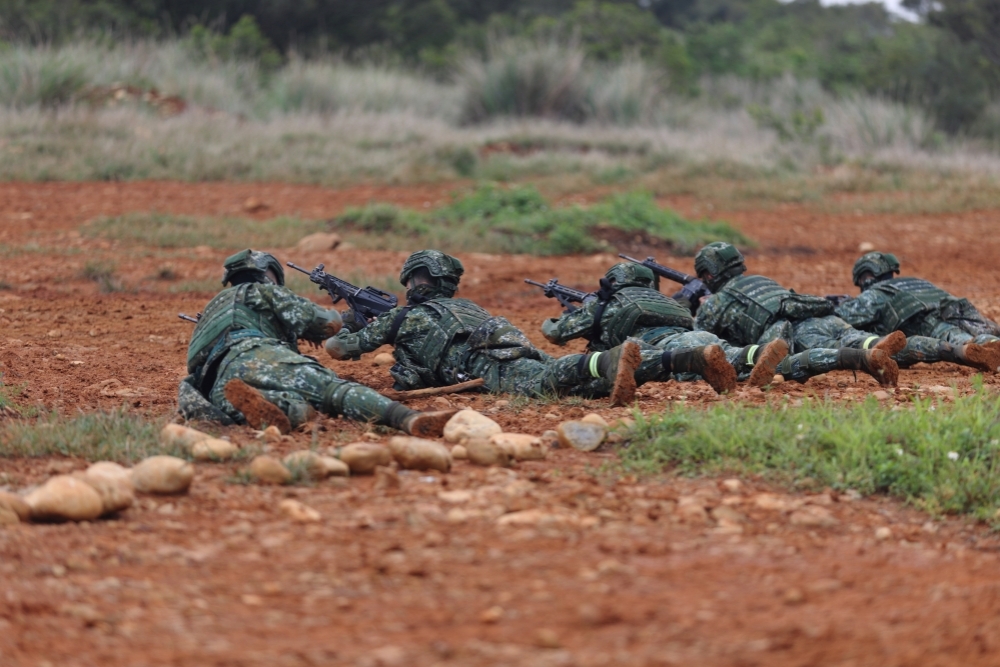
397 322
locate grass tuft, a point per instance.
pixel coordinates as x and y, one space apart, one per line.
942 457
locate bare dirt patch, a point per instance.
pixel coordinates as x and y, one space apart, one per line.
560 562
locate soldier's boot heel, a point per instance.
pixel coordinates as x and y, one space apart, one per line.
257 410
427 424
708 361
876 363
766 364
618 366
892 344
979 357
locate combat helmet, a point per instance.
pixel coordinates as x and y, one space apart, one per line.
250 266
722 261
881 265
444 270
630 274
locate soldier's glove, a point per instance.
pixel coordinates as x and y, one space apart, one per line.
550 329
691 294
344 347
350 324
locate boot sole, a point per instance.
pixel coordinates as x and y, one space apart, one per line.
892 344
430 424
623 391
257 410
982 358
767 365
719 373
882 367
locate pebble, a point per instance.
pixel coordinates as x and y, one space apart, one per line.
116 491
732 485
65 497
318 242
459 453
551 415
550 439
777 379
269 470
420 454
213 449
547 638
883 533
271 435
581 435
308 462
298 512
594 418
363 457
486 453
383 359
520 446
162 474
15 505
201 446
335 467
469 425
813 516
492 615
881 395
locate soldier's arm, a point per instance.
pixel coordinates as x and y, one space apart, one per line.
571 325
350 345
861 312
710 314
300 317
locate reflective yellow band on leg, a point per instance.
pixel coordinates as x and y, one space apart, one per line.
752 351
593 365
868 342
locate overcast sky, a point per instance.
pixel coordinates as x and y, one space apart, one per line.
894 6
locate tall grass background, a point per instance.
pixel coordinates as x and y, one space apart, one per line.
525 108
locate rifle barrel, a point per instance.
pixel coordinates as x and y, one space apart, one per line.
535 283
297 267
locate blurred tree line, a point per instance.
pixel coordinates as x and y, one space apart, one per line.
948 62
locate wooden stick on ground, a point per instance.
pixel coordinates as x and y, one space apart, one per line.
433 391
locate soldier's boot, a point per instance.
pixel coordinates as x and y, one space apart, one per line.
418 424
617 366
708 361
892 344
980 357
257 410
876 363
765 361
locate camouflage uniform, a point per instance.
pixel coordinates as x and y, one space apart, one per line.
249 332
933 320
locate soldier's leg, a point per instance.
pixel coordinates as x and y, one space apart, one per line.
831 332
804 365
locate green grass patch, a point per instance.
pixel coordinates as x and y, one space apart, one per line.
100 436
941 457
178 231
519 220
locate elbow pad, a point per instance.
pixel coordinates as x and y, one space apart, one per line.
344 347
550 329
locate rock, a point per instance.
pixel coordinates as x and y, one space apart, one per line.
492 615
269 470
383 359
419 454
15 505
777 379
547 638
116 491
310 463
298 512
813 516
550 439
110 469
363 457
881 395
520 446
65 497
883 533
335 467
459 453
486 453
386 478
594 418
270 435
581 435
866 246
318 242
469 425
163 475
732 485
213 449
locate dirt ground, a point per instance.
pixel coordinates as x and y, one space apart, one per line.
558 562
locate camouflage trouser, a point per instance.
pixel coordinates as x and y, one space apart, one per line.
295 383
804 365
534 377
932 327
828 332
656 341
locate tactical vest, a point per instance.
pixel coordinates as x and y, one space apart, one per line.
453 320
639 308
227 313
761 299
907 298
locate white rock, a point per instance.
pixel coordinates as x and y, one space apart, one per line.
298 512
581 435
213 449
459 453
116 491
883 533
269 470
163 475
469 425
420 454
110 469
65 497
363 457
318 242
486 453
521 446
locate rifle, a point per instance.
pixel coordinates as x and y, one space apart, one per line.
366 303
694 289
184 316
566 296
837 299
